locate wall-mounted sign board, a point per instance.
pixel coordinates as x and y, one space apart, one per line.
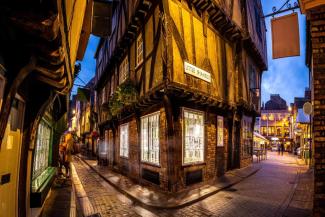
197 72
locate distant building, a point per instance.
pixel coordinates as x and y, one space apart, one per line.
83 119
301 127
275 121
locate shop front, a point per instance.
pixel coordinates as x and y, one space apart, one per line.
43 172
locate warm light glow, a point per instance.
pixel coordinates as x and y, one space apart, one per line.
73 111
289 109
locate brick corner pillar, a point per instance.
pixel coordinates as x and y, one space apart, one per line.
317 36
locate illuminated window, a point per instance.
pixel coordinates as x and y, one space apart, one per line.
271 117
42 149
264 117
139 49
124 140
220 131
150 138
193 149
124 70
247 135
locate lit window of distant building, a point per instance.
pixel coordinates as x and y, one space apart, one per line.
271 117
193 148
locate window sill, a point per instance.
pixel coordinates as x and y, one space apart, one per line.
125 158
194 164
150 164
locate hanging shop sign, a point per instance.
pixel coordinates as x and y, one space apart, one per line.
197 72
285 36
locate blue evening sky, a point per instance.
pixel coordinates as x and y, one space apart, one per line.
286 76
88 64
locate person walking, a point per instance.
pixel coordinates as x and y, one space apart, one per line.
62 152
282 148
279 148
69 152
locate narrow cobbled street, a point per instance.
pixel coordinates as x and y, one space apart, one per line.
279 188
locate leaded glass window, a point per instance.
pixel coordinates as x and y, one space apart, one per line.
193 148
124 70
124 140
139 49
220 130
150 138
42 149
247 136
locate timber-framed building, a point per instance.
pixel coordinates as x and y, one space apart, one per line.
195 66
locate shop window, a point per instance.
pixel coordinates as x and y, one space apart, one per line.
124 70
139 49
124 140
42 149
220 131
247 135
193 148
150 138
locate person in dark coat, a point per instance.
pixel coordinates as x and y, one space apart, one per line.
282 148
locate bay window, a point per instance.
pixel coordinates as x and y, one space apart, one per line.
150 138
193 148
124 140
42 149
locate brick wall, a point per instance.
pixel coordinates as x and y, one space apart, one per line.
317 28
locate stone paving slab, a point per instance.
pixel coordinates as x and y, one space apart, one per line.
61 201
152 198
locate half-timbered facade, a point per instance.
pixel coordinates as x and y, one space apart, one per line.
178 86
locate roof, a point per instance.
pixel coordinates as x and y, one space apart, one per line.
302 117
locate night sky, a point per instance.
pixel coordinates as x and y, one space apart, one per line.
286 76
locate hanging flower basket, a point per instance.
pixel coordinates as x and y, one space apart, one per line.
125 95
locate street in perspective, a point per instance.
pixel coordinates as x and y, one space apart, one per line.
165 108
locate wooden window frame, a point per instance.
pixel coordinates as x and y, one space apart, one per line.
122 147
139 49
183 137
157 163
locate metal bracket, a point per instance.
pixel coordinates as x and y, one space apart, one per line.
282 9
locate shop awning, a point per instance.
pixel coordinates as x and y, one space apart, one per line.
258 136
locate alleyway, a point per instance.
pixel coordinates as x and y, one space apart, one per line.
278 189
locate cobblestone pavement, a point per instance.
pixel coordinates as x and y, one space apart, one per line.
270 192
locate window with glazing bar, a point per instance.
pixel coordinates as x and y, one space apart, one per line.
124 70
42 149
124 140
193 148
150 138
139 49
